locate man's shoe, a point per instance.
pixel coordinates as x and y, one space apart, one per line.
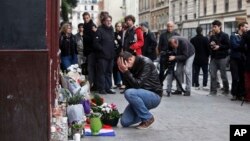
187 93
225 92
110 92
168 94
145 124
234 98
102 92
176 92
213 93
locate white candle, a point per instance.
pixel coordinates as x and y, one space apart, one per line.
77 137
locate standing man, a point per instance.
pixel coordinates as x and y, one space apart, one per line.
184 57
143 89
150 43
201 46
89 31
133 39
104 48
237 62
163 48
219 45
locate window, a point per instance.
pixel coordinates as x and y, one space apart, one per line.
229 27
94 1
189 32
239 4
85 7
215 6
180 8
180 18
226 5
195 16
92 7
173 12
206 28
186 17
78 15
205 7
186 6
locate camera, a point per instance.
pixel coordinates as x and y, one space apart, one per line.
165 58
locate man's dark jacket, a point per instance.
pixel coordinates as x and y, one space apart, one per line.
221 39
149 46
246 46
143 75
201 46
163 41
88 37
185 49
104 45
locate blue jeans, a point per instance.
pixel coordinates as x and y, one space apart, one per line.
140 102
67 61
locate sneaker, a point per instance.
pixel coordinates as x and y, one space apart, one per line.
197 88
168 94
205 88
225 92
102 92
176 92
187 93
145 124
213 93
110 92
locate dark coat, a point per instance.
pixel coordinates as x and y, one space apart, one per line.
67 45
133 40
118 42
236 52
88 37
201 46
149 46
104 45
221 39
185 49
245 44
143 75
163 41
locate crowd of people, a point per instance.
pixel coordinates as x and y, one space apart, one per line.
127 52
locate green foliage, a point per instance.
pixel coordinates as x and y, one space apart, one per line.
77 126
66 7
95 115
97 100
76 99
112 115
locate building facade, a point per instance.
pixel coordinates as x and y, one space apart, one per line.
155 12
90 6
188 14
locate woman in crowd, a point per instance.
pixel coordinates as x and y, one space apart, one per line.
67 46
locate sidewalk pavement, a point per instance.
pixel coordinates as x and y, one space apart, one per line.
179 118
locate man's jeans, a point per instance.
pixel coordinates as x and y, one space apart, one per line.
196 74
215 65
179 74
140 102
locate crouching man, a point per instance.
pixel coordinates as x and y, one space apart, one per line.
143 89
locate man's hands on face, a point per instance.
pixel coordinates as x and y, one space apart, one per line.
122 64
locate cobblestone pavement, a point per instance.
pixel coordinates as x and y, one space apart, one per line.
178 118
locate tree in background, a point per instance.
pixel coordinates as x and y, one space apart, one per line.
66 8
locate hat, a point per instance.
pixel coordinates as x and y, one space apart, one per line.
145 24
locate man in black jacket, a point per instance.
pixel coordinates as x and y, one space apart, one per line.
150 43
104 48
163 47
89 31
143 89
219 45
201 46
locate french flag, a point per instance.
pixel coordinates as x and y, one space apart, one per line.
105 131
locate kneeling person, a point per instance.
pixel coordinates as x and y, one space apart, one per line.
143 89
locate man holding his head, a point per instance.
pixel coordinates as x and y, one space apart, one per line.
143 89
